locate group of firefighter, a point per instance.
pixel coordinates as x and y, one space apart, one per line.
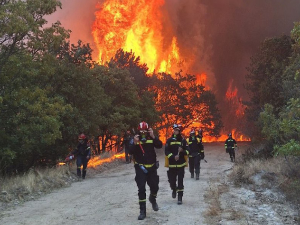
177 151
141 148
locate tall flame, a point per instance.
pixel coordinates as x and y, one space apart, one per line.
135 25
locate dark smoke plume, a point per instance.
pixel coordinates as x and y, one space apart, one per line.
226 34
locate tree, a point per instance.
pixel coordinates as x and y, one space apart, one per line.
182 100
265 77
138 71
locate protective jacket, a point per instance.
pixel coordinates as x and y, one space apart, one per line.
196 147
230 143
144 152
171 150
82 150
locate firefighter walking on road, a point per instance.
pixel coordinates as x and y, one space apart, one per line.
230 145
146 165
175 150
196 153
83 154
125 144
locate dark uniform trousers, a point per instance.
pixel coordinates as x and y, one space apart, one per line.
151 178
81 161
194 164
173 174
231 152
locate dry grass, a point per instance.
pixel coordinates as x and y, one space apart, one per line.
243 173
212 196
277 172
34 183
37 182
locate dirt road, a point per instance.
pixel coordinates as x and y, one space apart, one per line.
111 198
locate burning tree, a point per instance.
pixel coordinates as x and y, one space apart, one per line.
182 100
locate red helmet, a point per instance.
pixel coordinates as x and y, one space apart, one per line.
82 136
177 127
143 126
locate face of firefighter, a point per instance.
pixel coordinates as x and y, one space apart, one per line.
143 134
81 141
176 131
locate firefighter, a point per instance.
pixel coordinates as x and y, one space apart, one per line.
83 153
125 144
196 153
146 165
176 149
230 144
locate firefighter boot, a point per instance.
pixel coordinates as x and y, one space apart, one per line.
174 193
83 174
197 176
142 211
152 199
192 175
179 202
79 172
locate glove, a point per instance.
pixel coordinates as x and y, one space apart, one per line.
69 158
202 155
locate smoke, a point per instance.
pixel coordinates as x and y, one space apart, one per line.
223 35
217 36
77 16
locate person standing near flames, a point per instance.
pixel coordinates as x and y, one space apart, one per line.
146 165
176 149
83 154
125 144
230 145
196 153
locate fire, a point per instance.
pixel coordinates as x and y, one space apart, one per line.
234 100
97 161
236 135
135 25
139 26
201 79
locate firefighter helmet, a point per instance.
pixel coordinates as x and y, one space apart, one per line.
200 131
143 126
192 131
177 127
81 136
229 135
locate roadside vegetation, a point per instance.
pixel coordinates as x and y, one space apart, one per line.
37 182
52 90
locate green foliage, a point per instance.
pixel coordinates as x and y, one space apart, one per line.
283 131
265 80
138 71
270 124
292 147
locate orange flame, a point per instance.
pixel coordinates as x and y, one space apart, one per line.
97 161
235 101
237 136
135 25
201 79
